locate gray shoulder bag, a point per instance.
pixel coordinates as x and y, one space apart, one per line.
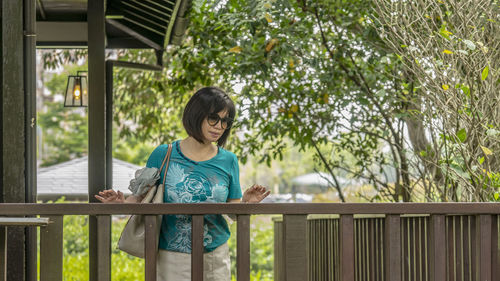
132 239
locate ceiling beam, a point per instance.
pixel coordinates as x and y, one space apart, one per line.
53 32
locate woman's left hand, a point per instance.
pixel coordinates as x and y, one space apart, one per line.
255 194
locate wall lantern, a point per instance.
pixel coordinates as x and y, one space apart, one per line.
77 90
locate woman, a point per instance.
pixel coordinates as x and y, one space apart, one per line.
199 171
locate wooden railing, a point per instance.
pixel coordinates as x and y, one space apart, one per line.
369 231
382 238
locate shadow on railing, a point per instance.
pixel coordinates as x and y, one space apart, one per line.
446 241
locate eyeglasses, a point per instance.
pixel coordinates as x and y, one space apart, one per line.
214 118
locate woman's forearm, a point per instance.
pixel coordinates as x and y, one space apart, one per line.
133 199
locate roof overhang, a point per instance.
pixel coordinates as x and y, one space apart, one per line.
129 23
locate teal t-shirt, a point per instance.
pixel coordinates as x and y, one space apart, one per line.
215 181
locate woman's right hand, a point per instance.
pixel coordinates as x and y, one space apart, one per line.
110 196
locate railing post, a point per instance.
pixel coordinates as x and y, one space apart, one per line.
392 241
279 256
437 249
197 248
346 248
51 250
295 247
495 251
150 246
102 262
243 248
3 253
484 243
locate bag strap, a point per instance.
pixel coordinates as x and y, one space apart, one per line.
164 160
167 160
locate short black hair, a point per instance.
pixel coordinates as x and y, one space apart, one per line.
204 102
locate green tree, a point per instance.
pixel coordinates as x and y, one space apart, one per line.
322 74
64 133
451 56
292 84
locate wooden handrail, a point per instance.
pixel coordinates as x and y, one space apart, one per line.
24 221
294 228
249 209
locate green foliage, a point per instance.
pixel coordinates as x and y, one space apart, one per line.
326 74
457 120
64 133
295 68
76 252
58 82
261 249
128 268
296 62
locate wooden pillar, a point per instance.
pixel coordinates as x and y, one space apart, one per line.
392 241
437 248
197 248
51 250
3 253
99 227
243 248
151 246
295 247
30 128
12 127
346 247
484 245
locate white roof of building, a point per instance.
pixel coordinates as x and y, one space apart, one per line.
70 179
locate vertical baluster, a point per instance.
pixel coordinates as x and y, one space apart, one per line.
324 251
407 243
295 247
3 253
279 257
418 248
197 248
321 253
382 247
472 247
437 247
346 248
243 248
373 259
150 246
460 249
103 247
425 234
393 247
337 250
378 251
495 252
312 248
366 255
453 264
331 255
51 250
484 247
357 250
467 252
414 248
404 248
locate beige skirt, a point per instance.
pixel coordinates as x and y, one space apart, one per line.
175 266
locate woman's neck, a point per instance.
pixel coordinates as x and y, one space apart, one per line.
197 151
